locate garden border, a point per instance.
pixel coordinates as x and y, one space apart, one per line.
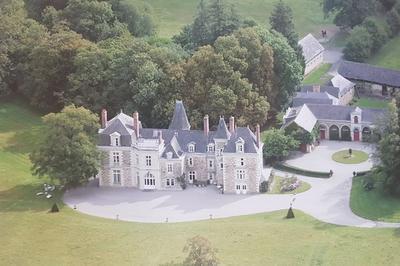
295 170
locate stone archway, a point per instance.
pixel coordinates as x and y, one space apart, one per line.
334 132
322 132
366 134
346 133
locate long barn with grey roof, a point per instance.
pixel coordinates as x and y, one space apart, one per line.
163 159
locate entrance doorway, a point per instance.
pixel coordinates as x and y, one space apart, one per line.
149 181
241 188
356 135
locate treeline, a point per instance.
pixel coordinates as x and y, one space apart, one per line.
100 54
372 22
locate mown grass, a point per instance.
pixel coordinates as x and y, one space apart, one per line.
318 76
32 236
355 158
374 204
388 56
172 15
276 189
370 103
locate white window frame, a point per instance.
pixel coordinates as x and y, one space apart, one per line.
115 139
190 161
191 148
210 148
148 160
117 176
210 164
240 174
192 175
170 168
116 157
241 162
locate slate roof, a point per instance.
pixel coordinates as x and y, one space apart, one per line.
179 119
329 89
311 97
311 47
176 140
369 73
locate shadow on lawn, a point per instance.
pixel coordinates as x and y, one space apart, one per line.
22 198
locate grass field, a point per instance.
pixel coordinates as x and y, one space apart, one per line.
172 15
389 55
356 157
318 76
276 189
374 204
32 236
370 103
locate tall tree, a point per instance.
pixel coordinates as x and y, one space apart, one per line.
277 145
349 13
359 45
67 151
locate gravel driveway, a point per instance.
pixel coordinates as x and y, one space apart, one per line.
327 200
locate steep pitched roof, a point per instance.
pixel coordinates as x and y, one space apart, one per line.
311 97
302 116
222 131
311 47
342 83
329 89
370 73
179 119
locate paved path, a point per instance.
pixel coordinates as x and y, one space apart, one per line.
327 200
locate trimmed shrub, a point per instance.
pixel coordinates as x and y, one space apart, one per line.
294 170
290 214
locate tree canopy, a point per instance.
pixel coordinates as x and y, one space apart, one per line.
67 151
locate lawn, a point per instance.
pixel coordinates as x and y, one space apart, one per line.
318 76
388 56
32 236
172 15
370 103
276 189
356 157
374 204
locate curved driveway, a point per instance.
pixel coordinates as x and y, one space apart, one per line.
328 199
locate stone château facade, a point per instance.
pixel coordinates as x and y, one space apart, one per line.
156 159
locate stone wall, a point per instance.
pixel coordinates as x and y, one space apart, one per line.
252 173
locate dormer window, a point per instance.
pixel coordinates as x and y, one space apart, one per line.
210 148
191 147
355 119
240 145
115 139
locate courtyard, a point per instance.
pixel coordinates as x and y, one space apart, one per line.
327 200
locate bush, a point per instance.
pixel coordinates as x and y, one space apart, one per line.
277 145
289 184
359 46
264 186
291 169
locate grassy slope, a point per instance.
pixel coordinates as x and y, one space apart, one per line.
32 236
374 204
389 55
172 15
371 103
318 76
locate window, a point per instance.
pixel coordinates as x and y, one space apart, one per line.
240 147
237 187
169 168
190 161
356 120
240 174
244 187
148 160
116 141
192 176
117 177
241 161
210 176
149 180
191 147
210 164
170 182
221 166
210 148
116 157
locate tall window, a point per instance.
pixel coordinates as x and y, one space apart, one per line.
240 147
241 161
116 157
116 141
192 175
210 164
117 176
191 147
148 160
169 168
190 161
170 182
240 174
149 180
221 166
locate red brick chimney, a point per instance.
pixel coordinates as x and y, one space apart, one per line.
103 118
316 88
232 125
258 135
136 123
206 125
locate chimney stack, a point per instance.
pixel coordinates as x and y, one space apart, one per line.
160 138
206 125
258 135
316 88
103 118
232 125
136 123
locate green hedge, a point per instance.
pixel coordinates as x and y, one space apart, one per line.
291 169
363 173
